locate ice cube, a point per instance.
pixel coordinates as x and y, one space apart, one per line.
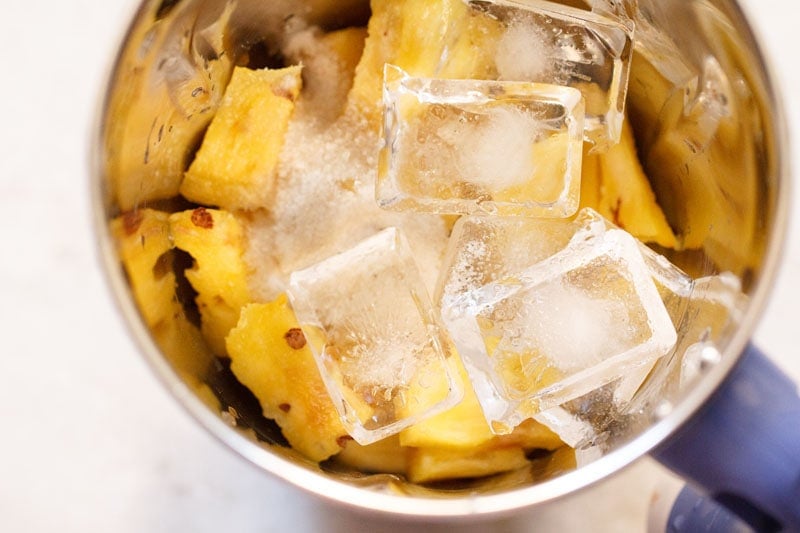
712 309
375 337
591 421
551 43
480 147
674 286
486 249
560 328
571 429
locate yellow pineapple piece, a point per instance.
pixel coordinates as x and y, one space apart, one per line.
530 435
591 179
627 198
383 456
379 48
414 35
704 171
270 357
155 117
560 461
347 45
345 48
215 239
501 453
462 426
184 347
144 243
546 185
436 464
235 166
525 372
707 184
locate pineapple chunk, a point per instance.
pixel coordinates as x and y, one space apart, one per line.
379 48
383 456
708 186
347 46
627 197
502 453
704 173
215 239
462 426
530 435
144 243
591 180
414 35
269 356
185 348
436 464
235 166
614 184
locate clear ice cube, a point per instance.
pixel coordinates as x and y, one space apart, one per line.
375 337
712 309
482 250
536 337
571 429
673 285
551 43
480 147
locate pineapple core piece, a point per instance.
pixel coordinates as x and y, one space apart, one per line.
235 165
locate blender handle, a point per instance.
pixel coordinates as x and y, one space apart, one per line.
688 511
743 447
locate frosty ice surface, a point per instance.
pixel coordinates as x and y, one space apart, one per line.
713 306
480 147
377 342
562 327
550 43
673 285
482 250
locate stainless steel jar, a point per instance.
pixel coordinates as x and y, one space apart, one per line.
732 178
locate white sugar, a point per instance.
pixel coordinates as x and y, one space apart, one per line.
325 203
593 326
498 153
523 53
325 83
464 273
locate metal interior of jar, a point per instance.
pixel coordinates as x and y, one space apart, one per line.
731 175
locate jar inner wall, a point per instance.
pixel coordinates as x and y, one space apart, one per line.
700 106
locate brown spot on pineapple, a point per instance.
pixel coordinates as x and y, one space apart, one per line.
131 221
343 440
615 213
163 266
295 338
285 88
202 218
285 407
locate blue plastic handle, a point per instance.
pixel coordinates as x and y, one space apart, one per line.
694 512
743 447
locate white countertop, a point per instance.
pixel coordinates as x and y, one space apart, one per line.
90 439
